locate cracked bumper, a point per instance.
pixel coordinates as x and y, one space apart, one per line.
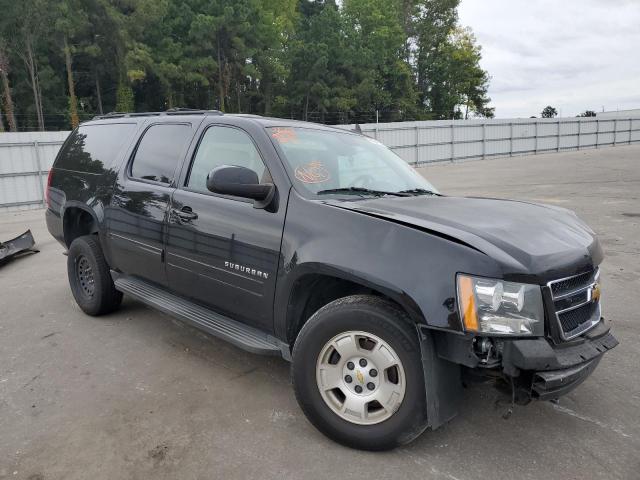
17 245
555 370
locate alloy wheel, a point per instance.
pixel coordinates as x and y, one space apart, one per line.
360 377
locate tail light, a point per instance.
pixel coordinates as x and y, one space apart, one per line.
47 192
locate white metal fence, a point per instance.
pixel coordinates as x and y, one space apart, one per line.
25 158
441 140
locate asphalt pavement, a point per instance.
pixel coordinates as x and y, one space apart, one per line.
136 394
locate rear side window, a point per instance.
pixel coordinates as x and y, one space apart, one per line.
94 148
160 151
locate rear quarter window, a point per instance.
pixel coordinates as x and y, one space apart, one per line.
94 148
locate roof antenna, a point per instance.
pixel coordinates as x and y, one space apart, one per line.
358 129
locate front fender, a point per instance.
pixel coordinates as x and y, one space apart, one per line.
413 268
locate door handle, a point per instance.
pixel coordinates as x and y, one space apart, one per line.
186 214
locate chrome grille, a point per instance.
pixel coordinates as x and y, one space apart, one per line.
577 309
566 285
573 319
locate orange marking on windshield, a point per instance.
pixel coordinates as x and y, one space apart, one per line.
284 135
314 172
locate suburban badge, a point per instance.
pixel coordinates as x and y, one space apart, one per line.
244 269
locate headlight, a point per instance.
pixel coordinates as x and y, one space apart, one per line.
497 307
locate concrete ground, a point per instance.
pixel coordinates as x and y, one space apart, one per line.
138 395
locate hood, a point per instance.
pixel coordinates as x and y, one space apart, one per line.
526 238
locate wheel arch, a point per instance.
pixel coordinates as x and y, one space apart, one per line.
316 285
77 220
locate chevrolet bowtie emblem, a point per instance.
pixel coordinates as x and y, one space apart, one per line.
360 377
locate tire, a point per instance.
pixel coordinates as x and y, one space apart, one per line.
361 320
90 279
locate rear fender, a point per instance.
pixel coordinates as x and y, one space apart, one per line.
68 210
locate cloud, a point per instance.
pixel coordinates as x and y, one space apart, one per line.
572 54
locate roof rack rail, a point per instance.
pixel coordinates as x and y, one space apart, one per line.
191 111
111 115
171 111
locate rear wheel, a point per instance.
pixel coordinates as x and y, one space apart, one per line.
89 277
358 374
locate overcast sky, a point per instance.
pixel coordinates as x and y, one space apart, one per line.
572 54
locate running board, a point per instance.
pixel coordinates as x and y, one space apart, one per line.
239 334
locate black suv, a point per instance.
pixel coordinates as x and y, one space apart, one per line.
322 246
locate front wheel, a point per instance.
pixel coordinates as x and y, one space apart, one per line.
357 373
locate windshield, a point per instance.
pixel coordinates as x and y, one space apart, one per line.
333 163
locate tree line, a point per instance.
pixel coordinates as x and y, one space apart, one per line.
63 61
552 112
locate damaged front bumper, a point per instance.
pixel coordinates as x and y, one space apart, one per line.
553 384
545 371
21 244
529 368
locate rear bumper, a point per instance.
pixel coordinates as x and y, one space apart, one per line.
549 371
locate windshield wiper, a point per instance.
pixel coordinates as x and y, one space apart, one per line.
420 191
357 190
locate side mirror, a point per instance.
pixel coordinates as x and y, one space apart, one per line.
240 182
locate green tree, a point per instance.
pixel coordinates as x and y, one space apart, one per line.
319 60
446 58
467 82
318 41
549 112
104 54
124 99
273 31
383 78
428 25
223 32
71 21
451 81
124 19
25 24
7 97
